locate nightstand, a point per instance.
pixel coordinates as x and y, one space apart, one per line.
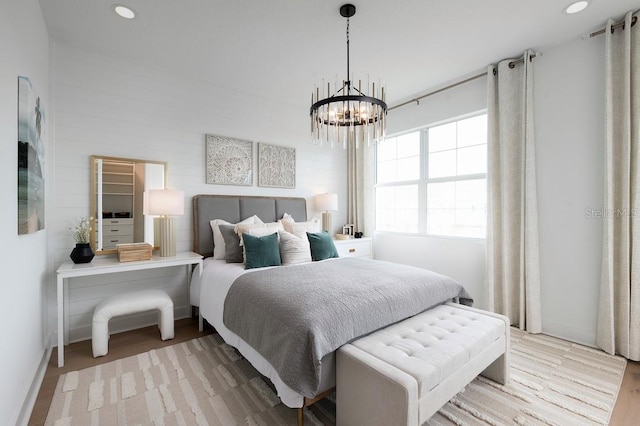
355 247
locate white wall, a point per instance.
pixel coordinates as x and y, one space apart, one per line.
107 106
569 126
569 108
24 48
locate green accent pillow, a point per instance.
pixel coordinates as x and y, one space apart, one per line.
322 246
261 251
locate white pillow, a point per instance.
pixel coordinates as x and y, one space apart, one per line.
219 251
301 227
288 217
294 248
257 229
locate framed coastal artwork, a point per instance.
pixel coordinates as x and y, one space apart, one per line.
276 166
229 161
31 137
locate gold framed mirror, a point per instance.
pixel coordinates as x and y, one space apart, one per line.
117 188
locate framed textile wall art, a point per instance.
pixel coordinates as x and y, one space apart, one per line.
31 132
229 161
276 166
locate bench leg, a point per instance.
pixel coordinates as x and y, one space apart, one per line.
498 371
372 392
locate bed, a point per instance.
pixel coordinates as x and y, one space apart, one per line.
311 288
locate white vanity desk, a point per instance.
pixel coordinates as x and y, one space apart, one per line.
108 265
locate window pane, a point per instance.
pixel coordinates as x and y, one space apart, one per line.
407 221
406 197
397 208
471 208
470 223
441 195
471 194
384 208
441 221
386 171
387 149
442 137
472 160
472 131
441 203
469 152
442 164
457 208
408 145
399 159
408 169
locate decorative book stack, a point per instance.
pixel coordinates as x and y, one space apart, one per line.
134 251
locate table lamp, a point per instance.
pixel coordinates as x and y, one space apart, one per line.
327 203
164 203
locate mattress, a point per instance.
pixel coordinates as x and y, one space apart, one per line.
209 291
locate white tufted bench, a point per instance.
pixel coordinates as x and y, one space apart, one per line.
403 374
130 303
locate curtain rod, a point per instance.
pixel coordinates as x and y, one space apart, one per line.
417 100
451 86
614 27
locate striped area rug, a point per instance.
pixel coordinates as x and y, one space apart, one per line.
206 382
553 382
200 382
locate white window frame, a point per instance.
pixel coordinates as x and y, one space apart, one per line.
423 180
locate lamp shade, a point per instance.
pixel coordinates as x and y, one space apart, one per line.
166 202
327 202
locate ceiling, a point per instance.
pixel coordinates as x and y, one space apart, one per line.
279 49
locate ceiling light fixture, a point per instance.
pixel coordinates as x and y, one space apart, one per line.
576 6
348 114
124 11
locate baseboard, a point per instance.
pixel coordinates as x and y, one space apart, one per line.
32 393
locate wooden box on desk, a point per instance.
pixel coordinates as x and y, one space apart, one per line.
134 251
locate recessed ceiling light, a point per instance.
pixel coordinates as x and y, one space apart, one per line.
576 6
124 11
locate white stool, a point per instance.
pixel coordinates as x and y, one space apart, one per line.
130 303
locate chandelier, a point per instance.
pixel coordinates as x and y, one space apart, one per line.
348 114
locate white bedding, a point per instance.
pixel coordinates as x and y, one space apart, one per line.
211 290
214 288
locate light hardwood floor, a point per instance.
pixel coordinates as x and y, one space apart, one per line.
627 409
78 356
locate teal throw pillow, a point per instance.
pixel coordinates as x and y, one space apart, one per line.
322 246
261 251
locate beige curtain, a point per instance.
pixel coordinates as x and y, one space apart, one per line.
513 273
355 183
619 308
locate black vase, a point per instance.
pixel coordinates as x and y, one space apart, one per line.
82 253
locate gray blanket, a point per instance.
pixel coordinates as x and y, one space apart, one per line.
294 316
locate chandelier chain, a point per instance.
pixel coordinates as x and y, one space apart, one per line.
348 72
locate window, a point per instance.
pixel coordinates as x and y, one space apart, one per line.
398 176
434 181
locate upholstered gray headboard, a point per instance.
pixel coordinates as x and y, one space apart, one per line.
234 208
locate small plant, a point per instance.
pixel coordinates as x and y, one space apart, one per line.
82 232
